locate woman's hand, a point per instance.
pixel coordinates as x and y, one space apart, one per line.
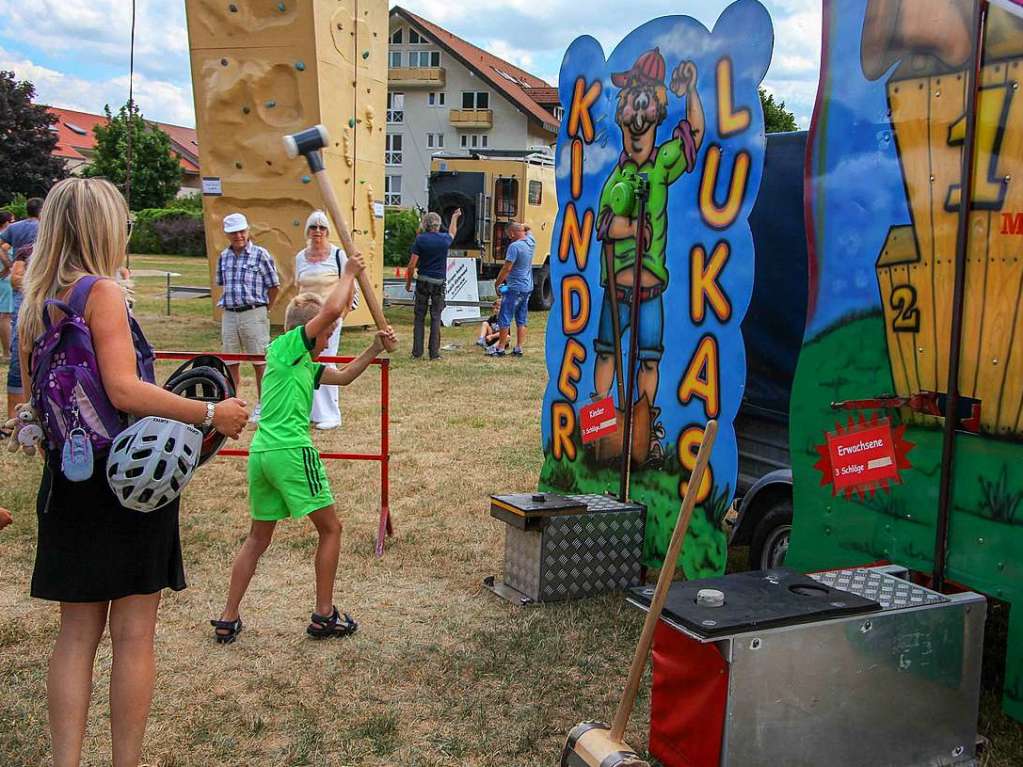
355 264
230 417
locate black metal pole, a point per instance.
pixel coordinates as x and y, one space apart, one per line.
958 294
642 192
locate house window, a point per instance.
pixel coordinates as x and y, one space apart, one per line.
506 197
474 140
475 100
394 59
535 192
392 190
435 140
415 38
396 36
424 59
392 153
395 107
435 99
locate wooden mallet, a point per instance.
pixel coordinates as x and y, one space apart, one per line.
594 744
310 143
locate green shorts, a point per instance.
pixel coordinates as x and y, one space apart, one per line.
290 482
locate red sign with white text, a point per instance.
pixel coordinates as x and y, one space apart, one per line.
863 456
598 420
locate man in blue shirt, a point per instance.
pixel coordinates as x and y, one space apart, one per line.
13 238
517 273
429 263
248 275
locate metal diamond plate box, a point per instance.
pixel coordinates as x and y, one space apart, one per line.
561 547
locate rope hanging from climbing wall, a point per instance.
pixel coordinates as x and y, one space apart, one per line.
131 121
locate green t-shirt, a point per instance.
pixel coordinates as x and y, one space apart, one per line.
662 170
288 383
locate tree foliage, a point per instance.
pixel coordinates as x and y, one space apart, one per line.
155 169
27 165
777 119
400 228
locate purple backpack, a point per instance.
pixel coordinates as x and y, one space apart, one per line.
67 391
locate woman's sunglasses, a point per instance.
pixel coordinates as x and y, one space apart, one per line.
317 228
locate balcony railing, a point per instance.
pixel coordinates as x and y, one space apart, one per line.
416 77
472 119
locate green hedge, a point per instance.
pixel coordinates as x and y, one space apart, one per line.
169 231
399 233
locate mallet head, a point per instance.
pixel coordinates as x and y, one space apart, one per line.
305 142
589 744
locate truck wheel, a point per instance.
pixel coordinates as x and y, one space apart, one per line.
770 542
542 297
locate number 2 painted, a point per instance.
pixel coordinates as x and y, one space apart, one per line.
907 316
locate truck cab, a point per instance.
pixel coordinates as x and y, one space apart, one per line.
494 188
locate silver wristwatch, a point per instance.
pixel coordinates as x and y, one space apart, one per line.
210 410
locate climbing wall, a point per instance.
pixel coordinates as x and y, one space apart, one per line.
263 70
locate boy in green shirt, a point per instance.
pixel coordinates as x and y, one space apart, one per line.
286 476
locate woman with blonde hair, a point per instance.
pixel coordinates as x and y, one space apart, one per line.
318 267
105 564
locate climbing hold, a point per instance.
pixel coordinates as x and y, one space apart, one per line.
238 165
300 66
351 122
232 8
271 104
223 62
296 222
365 54
306 179
282 7
245 110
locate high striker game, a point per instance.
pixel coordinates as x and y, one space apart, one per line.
876 476
675 104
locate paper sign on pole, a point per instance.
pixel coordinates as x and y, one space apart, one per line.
598 420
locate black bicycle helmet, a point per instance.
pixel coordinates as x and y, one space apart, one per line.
204 378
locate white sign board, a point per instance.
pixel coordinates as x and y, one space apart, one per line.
211 186
461 286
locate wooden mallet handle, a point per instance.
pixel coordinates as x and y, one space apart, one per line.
646 639
309 144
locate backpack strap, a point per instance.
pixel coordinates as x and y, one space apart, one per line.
337 260
80 293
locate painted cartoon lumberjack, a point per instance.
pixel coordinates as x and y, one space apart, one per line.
642 107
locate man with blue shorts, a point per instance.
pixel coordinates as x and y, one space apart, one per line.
517 274
14 238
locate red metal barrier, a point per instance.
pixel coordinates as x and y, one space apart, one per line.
383 457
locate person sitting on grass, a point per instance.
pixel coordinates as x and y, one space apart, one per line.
490 331
286 476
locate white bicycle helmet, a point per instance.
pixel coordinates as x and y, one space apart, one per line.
151 461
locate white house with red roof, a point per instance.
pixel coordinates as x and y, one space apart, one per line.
76 144
443 94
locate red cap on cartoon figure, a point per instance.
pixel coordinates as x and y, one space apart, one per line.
648 70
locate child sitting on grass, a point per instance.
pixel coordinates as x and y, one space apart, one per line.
490 331
286 477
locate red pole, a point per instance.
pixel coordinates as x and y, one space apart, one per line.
385 528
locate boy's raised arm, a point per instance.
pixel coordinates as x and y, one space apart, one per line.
345 375
339 300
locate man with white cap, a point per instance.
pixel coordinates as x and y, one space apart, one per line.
250 283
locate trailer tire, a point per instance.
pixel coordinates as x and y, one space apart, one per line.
542 297
770 541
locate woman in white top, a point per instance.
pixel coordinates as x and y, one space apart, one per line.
318 267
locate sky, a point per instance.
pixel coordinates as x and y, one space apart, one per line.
77 51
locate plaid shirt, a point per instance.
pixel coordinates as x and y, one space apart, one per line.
246 277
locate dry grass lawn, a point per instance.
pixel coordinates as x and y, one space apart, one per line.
440 673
